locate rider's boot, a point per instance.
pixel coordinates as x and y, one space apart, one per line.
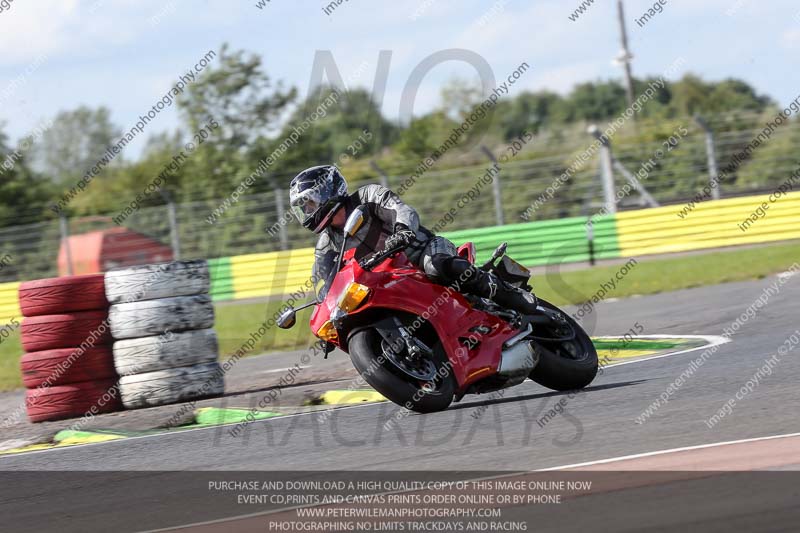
466 277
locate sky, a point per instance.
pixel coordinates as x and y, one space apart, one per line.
125 54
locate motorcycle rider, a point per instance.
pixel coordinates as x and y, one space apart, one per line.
320 201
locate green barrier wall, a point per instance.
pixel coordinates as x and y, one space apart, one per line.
545 242
530 243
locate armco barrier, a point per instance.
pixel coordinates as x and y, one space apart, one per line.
544 242
709 225
629 234
9 303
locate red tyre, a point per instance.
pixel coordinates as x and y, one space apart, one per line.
62 295
66 330
67 365
72 401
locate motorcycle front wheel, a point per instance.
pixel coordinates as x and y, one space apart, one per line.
564 364
367 354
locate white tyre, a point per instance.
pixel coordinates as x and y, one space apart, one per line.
155 317
172 386
161 280
170 350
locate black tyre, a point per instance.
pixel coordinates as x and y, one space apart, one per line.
366 352
564 365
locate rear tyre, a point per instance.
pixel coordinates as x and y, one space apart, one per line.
566 365
367 356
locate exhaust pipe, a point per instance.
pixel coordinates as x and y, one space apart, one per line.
517 362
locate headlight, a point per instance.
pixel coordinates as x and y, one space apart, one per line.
352 297
327 332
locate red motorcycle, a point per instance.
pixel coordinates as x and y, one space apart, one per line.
423 345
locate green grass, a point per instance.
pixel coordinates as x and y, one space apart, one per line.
651 276
235 322
10 351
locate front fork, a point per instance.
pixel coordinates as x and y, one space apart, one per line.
397 335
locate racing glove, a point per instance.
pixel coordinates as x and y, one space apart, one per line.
401 238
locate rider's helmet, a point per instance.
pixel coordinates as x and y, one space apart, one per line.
316 194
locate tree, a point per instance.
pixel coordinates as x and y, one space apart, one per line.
423 136
733 94
23 197
347 126
596 101
74 143
528 112
23 193
459 97
238 95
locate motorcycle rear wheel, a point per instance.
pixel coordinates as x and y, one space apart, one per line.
564 366
382 375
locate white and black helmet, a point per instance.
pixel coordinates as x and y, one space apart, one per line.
316 194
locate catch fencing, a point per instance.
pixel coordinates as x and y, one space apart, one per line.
259 223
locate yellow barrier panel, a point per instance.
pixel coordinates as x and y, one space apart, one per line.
271 274
9 302
711 224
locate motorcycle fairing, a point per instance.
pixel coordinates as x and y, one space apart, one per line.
396 285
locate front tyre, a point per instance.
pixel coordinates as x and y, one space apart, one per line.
564 365
366 352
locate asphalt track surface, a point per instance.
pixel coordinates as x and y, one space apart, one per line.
484 433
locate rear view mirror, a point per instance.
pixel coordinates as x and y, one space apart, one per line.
354 221
287 319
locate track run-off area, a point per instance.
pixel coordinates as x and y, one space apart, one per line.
647 409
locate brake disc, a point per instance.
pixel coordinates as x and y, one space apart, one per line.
420 368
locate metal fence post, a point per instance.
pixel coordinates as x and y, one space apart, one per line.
636 184
381 174
496 189
64 229
173 230
280 211
606 170
172 219
711 152
590 240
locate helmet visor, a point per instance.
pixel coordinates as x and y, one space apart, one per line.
304 210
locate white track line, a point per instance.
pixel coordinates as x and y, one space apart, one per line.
512 474
663 452
713 340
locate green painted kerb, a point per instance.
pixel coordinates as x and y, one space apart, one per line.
213 416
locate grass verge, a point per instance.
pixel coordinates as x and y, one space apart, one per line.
652 276
235 322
